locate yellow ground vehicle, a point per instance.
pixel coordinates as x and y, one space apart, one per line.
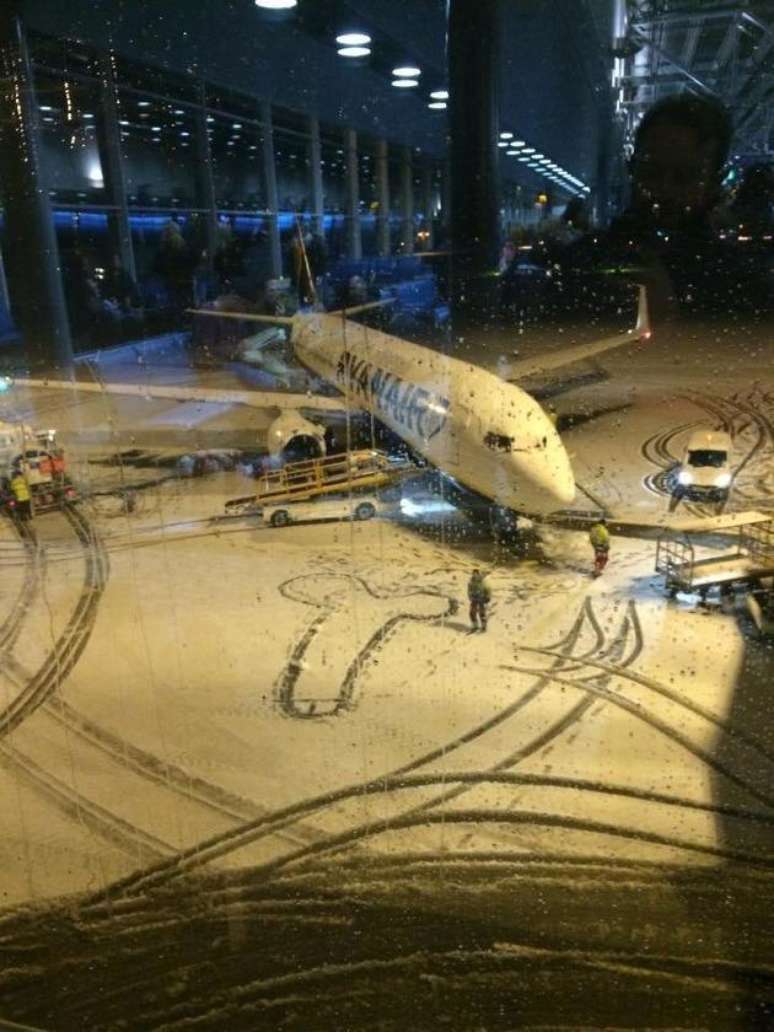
312 478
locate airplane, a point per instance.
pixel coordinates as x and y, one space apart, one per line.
486 434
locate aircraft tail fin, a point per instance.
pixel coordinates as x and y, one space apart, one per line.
643 330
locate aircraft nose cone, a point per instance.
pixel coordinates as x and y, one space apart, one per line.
554 475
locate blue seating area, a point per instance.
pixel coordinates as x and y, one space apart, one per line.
417 298
376 270
403 278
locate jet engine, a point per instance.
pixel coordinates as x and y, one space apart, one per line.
293 438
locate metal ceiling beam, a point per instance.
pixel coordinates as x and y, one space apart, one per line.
691 42
677 65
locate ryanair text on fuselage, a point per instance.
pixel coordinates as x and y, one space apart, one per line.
419 410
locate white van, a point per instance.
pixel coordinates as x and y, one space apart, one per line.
705 468
326 507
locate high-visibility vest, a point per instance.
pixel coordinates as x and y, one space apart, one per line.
599 536
20 489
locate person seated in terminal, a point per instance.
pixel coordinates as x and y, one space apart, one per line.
666 237
175 264
120 288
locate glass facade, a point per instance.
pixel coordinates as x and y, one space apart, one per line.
386 516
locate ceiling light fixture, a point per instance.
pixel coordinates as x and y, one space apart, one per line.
404 84
353 39
276 5
437 105
506 136
406 72
439 95
354 51
529 150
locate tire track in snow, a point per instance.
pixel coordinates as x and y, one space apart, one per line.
314 658
67 650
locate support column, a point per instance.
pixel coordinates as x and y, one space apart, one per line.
383 194
446 199
112 162
205 181
32 255
5 301
407 200
315 178
272 197
354 236
428 191
474 68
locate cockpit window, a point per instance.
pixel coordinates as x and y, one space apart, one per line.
498 442
707 457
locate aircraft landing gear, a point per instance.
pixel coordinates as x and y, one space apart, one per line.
504 524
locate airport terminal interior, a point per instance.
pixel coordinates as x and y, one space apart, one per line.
387 531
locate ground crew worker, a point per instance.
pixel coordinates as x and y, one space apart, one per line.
21 493
58 464
479 596
599 536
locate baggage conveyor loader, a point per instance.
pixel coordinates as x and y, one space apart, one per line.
749 561
313 478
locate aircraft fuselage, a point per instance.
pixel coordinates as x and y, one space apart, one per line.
488 434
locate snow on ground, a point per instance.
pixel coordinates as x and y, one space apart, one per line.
226 670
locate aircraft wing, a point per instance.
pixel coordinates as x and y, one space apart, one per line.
545 363
280 320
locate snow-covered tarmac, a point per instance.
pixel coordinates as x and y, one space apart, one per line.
224 671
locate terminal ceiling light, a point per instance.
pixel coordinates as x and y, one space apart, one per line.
437 105
143 103
503 143
529 150
523 159
276 5
439 95
353 39
506 136
406 72
512 153
404 84
354 51
46 107
155 128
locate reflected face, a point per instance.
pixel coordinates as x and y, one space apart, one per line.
674 175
